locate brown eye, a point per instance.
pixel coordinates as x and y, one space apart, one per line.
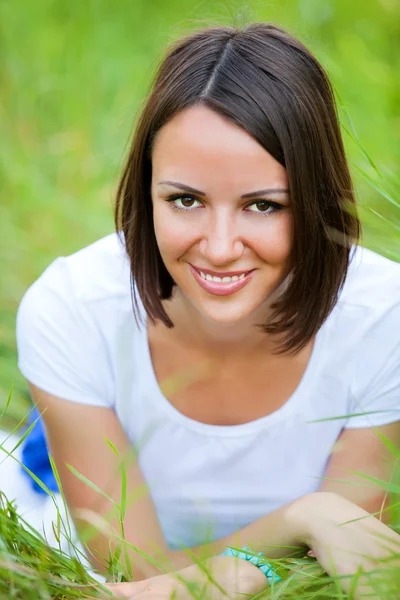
183 202
186 201
265 207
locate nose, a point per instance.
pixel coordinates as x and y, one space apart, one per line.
221 244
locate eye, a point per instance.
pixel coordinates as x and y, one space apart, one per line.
264 207
180 202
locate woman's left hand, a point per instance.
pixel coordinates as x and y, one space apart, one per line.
346 540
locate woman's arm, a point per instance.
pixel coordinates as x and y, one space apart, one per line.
77 435
343 537
363 451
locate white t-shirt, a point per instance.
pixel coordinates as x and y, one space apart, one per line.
78 340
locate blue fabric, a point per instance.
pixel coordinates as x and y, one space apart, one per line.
259 561
35 456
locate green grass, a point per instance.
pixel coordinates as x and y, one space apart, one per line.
30 569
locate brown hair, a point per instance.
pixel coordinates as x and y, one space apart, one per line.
268 83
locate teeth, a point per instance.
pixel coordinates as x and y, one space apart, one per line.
222 279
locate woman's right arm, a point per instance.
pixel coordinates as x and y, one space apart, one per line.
76 435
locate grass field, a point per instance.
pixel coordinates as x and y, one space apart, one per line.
73 75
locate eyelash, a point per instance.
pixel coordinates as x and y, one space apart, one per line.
171 199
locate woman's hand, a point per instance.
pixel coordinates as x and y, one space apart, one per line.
160 587
233 577
343 537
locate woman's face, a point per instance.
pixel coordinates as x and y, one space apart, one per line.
222 214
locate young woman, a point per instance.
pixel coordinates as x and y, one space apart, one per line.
261 349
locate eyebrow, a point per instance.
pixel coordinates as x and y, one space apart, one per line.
187 188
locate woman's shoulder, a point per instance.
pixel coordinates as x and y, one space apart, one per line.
372 283
367 313
366 334
99 271
87 290
68 318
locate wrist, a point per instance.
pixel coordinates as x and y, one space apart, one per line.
299 517
309 514
238 576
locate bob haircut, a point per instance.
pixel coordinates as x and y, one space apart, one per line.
267 82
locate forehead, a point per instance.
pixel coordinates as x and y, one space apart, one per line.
203 146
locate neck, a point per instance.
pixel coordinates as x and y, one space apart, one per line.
239 338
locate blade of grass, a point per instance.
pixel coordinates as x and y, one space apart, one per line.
349 416
34 477
24 435
68 533
8 400
92 485
376 187
16 428
122 505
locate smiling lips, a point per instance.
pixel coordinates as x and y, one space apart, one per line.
222 284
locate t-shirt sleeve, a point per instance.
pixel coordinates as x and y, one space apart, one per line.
376 382
60 348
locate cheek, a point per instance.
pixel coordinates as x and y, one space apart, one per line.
273 241
173 235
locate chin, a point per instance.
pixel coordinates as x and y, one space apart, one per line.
225 316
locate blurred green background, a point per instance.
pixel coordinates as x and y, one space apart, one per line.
73 76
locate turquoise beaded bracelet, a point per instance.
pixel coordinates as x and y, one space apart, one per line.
259 561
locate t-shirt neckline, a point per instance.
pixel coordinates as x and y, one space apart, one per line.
160 401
